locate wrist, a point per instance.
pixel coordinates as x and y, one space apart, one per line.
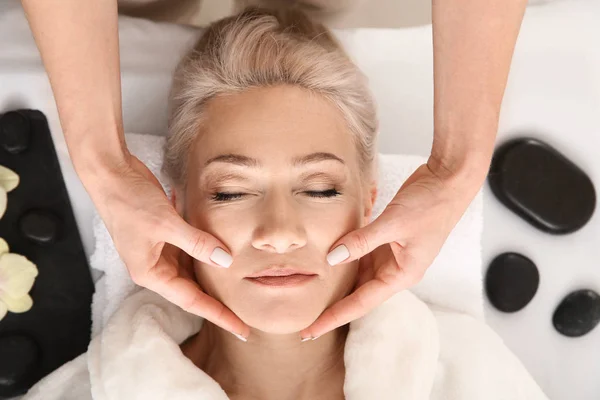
94 160
464 173
464 154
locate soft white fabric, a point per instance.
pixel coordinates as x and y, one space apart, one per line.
404 349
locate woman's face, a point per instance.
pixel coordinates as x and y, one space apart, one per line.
275 176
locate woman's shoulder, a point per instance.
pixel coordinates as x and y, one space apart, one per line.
143 321
471 351
414 347
69 382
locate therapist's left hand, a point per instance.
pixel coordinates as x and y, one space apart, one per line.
399 246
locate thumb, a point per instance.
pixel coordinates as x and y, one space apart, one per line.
362 241
198 244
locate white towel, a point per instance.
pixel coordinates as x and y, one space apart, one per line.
453 281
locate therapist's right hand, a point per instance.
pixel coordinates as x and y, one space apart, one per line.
148 234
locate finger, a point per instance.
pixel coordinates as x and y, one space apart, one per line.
362 241
173 255
409 271
350 308
198 244
186 294
365 272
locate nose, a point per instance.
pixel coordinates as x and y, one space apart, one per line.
280 229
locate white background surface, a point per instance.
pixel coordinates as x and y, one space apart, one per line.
553 94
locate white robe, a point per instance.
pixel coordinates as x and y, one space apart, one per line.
402 350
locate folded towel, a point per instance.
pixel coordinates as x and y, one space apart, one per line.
453 281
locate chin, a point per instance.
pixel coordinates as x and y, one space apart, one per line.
278 317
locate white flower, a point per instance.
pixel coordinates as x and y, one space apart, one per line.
3 200
8 181
17 275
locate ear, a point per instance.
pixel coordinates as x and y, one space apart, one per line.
370 198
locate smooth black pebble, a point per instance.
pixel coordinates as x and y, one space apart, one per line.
511 281
542 186
39 226
578 313
18 358
15 132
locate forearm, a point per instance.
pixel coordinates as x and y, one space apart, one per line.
473 43
78 41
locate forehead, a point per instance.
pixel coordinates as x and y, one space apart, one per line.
273 124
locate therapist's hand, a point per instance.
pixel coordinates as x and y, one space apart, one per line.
148 233
398 246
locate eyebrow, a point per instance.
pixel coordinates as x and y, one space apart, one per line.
235 159
245 161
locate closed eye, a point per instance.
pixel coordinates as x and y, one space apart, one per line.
222 196
323 193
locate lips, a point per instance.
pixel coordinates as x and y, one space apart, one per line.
280 272
282 281
279 277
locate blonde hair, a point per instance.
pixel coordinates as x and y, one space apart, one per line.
262 48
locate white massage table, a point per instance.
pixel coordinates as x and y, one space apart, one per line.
553 94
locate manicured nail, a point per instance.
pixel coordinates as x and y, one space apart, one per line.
221 257
306 339
338 255
243 339
315 338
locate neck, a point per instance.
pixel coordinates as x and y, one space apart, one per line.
271 366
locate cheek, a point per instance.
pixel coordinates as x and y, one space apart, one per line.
233 227
323 231
214 281
345 280
325 227
230 228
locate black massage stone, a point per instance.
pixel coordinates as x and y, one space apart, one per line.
39 224
18 359
578 313
15 132
511 281
542 186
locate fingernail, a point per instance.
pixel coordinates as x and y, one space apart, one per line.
315 338
306 339
243 339
338 255
221 257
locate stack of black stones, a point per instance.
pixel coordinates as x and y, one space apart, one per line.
39 224
554 195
